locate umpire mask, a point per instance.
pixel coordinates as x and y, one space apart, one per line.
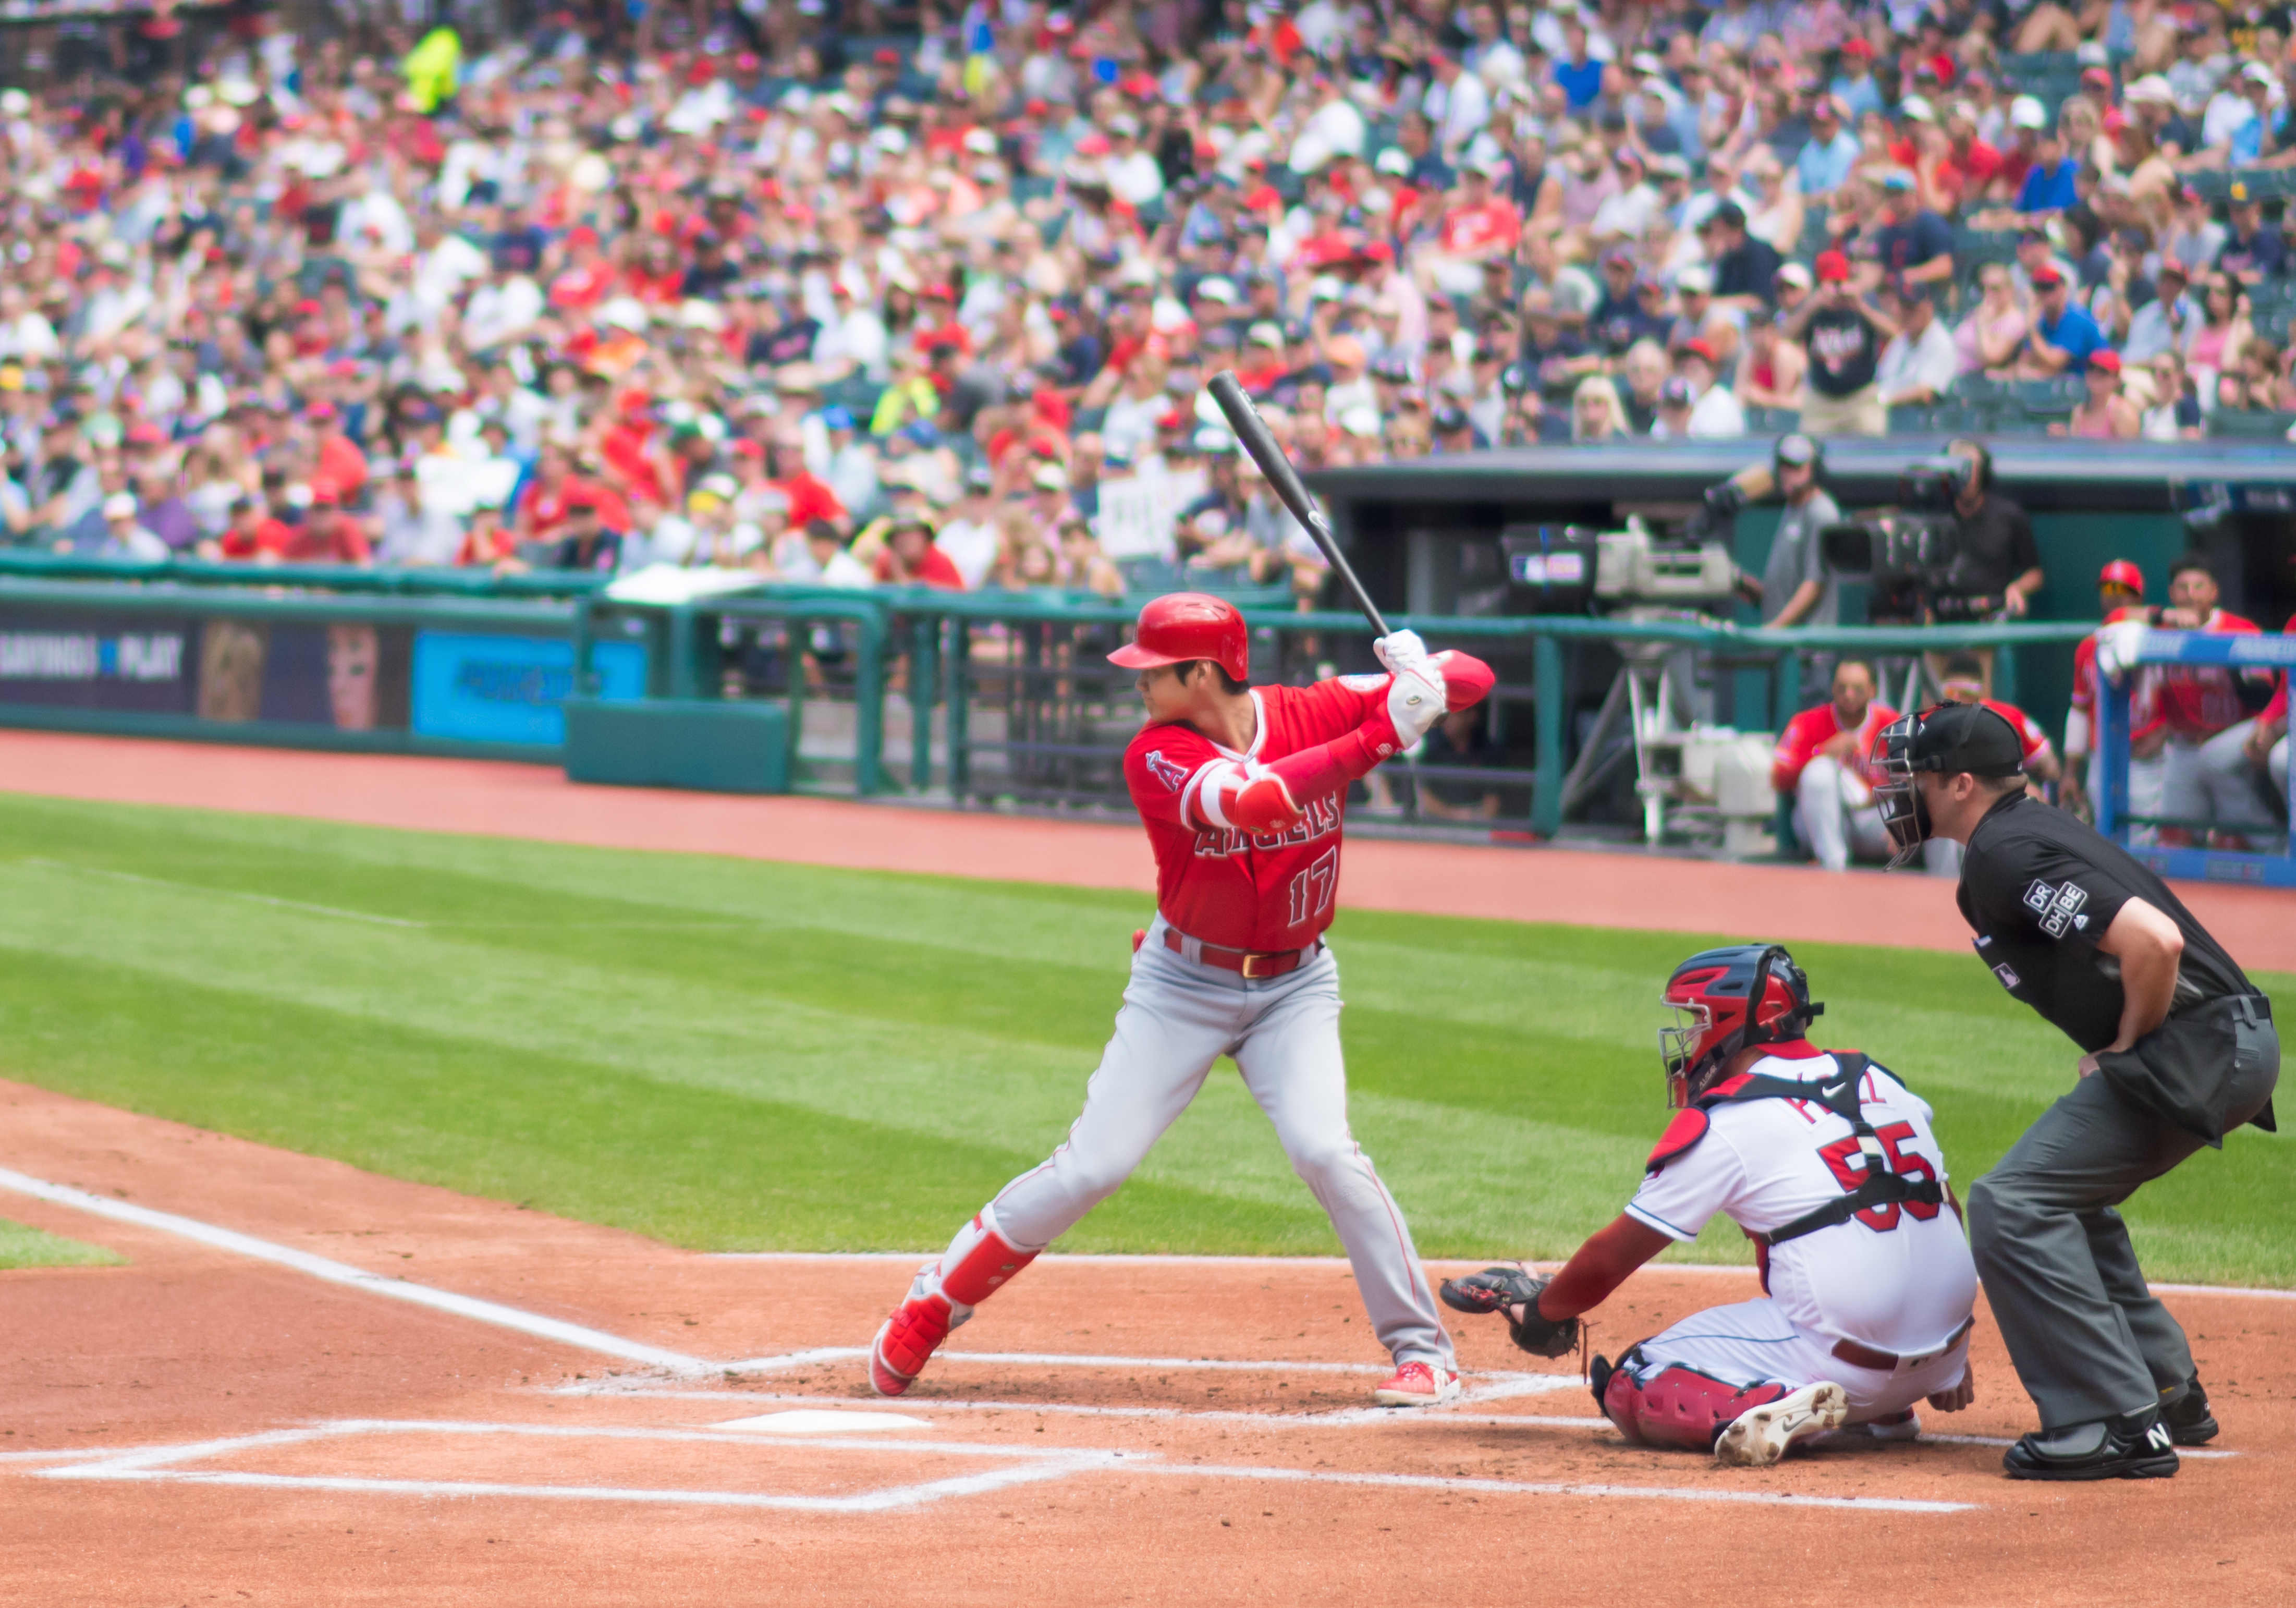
1946 738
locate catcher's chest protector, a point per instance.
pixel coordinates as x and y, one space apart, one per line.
1838 1095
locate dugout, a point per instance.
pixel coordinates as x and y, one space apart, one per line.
1424 534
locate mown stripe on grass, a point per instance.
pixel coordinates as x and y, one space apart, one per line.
23 1246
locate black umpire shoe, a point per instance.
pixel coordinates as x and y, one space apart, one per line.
2131 1446
2186 1414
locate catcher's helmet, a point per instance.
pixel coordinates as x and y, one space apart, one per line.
1724 1000
1182 626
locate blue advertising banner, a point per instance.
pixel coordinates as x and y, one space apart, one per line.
509 689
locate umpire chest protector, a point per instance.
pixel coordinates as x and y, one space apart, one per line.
1838 1095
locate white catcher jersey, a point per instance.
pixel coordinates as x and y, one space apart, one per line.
1898 1277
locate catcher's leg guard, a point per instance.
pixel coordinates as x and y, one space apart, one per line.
1677 1405
976 1264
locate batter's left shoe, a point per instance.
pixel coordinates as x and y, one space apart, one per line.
911 1334
1760 1436
1418 1384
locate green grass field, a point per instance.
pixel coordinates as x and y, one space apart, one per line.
732 1054
23 1247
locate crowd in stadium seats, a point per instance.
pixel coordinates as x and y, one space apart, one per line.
775 285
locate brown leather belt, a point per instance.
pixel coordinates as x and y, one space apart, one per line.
1253 964
1890 1362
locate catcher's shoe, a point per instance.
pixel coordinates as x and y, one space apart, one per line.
2190 1423
911 1334
1759 1436
1418 1384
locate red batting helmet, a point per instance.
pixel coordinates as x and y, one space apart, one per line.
2120 572
1182 626
1710 993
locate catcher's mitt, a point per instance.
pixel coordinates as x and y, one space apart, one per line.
1497 1289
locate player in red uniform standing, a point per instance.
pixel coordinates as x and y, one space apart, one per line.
1241 790
2119 595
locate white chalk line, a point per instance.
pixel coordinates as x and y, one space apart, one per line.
253 899
2182 1451
358 1278
1031 1466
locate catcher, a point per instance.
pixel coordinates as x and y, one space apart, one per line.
1827 1162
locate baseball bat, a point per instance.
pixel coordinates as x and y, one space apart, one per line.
1252 431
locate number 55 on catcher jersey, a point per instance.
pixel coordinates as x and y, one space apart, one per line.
1897 1277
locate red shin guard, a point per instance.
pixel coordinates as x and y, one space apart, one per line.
1679 1406
981 1268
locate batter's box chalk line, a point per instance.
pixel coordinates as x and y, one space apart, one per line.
1021 1465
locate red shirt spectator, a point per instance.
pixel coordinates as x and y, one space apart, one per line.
1484 220
909 556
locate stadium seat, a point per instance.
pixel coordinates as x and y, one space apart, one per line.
1771 421
2214 186
1951 420
1912 420
1978 391
2228 426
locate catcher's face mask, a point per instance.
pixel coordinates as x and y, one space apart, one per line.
1678 1046
1899 795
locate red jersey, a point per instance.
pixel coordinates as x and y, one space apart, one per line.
2199 700
1467 229
2277 709
937 569
1261 892
324 538
2083 727
1812 730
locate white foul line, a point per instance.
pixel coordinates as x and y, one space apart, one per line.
577 1335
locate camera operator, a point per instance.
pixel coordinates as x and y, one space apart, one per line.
1796 588
1999 568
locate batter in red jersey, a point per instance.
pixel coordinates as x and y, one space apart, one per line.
1242 790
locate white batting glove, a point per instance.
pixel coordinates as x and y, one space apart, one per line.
1400 651
1415 701
2118 645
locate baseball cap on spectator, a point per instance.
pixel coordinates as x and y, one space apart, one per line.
2027 112
1915 109
1345 350
1450 419
2150 90
1393 163
1858 50
1792 273
120 506
1220 288
1832 267
2256 72
1050 477
1897 180
1265 334
325 492
1701 349
2105 362
2097 77
2046 277
1696 280
1730 215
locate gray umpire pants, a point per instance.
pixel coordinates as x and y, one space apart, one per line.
2087 1337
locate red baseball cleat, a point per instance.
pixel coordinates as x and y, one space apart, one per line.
1418 1384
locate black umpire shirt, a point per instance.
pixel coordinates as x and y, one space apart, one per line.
2039 889
1997 548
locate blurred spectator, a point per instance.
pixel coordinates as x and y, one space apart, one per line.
1989 337
1844 335
2105 413
1596 414
2174 413
2164 324
1920 363
1771 370
2253 251
2064 336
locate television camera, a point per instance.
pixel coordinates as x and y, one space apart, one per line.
1911 554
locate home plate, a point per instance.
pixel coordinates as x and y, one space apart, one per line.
808 1420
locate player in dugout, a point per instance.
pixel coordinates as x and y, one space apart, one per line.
1962 680
1828 1164
1820 764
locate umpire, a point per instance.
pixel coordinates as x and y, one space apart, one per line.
2179 1051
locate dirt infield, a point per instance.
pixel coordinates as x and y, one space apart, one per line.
1582 888
255 1410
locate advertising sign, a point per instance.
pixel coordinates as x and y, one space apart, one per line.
93 662
476 688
